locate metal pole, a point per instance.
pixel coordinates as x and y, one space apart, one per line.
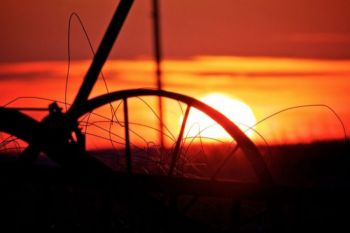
158 59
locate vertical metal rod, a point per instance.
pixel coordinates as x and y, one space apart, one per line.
127 137
102 53
158 59
178 142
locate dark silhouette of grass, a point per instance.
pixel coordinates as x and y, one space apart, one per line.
317 173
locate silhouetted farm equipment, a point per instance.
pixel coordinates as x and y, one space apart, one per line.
157 189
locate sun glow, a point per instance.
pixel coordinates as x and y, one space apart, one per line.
199 124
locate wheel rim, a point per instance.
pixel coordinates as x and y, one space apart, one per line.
243 141
251 152
17 126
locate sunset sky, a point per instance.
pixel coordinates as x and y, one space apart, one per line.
37 29
271 54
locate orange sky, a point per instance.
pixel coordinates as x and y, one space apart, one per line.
37 29
271 54
267 85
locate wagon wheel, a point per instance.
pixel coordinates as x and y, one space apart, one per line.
123 99
171 158
183 157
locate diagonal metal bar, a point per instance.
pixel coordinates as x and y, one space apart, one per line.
127 137
223 163
102 53
178 142
213 177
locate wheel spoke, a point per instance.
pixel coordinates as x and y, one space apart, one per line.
223 163
178 142
127 137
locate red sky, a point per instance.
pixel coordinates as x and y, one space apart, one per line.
265 84
37 29
249 49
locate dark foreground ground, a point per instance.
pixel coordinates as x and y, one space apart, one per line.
317 198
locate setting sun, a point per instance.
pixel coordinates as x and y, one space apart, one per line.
199 124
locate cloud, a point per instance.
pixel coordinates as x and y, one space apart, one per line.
321 38
6 76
